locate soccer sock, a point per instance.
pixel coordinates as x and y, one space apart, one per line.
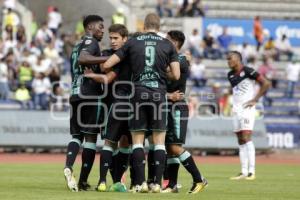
105 162
114 165
243 153
166 171
189 164
122 163
150 162
172 168
132 183
251 156
159 162
88 157
138 163
72 151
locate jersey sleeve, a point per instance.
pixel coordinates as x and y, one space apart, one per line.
252 74
91 46
123 51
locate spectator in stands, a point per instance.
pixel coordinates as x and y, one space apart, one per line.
4 87
41 88
21 35
119 17
193 106
33 27
252 62
43 36
11 18
43 65
247 52
59 101
283 47
225 103
79 30
194 42
195 9
183 6
197 73
269 72
9 44
210 47
224 41
51 52
25 74
54 20
270 49
292 76
164 8
258 32
22 96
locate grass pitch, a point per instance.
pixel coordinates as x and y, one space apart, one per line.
46 182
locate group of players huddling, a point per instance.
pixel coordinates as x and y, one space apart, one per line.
133 91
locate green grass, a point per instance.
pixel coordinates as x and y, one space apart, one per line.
46 182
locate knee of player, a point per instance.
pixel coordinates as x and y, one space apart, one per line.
174 149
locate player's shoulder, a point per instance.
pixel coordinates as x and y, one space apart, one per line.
249 71
87 40
231 73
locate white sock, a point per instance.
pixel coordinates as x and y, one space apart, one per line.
251 156
244 158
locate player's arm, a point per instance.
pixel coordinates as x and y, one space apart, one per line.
113 60
86 58
264 86
101 78
173 72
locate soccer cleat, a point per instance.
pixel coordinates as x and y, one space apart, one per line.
240 176
84 186
169 189
118 187
71 181
198 187
155 188
140 188
101 187
250 177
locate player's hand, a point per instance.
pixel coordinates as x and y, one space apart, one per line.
88 73
250 104
177 96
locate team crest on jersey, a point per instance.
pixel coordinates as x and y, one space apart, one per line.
88 42
242 74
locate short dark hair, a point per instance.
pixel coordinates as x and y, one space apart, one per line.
152 21
178 36
90 19
238 54
118 28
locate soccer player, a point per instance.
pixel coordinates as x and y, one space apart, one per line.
177 125
116 126
149 56
242 80
85 102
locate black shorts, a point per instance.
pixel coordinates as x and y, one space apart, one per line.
149 111
177 124
117 121
85 117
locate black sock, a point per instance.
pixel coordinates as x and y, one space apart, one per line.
189 164
138 164
132 178
159 161
72 151
88 157
121 164
173 167
150 162
166 172
114 166
105 162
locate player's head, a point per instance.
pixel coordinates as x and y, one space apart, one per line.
118 35
234 59
93 24
176 37
152 22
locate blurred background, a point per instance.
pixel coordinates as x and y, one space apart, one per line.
37 38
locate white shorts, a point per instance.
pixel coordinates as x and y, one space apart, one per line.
243 119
